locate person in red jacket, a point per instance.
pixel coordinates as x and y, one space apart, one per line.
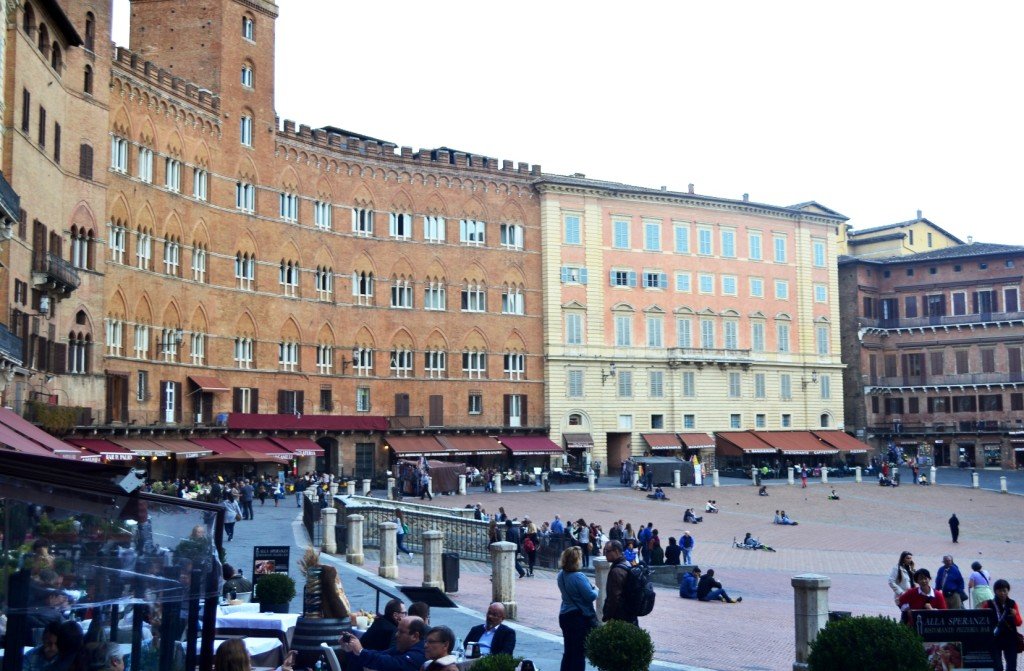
922 597
1007 621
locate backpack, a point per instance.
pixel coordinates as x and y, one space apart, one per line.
639 591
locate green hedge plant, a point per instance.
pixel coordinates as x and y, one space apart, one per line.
620 646
858 643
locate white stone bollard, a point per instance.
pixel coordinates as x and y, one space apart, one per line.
974 480
791 478
1002 485
931 475
634 480
388 565
810 602
601 568
857 474
753 475
544 482
333 488
430 486
391 489
354 540
462 485
677 479
328 518
350 488
592 481
503 576
824 475
366 487
497 483
714 478
433 546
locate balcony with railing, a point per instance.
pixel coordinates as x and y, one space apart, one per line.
932 322
10 202
58 275
11 346
898 427
951 381
678 356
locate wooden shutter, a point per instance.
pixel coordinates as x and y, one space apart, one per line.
254 400
506 409
522 411
401 405
59 363
436 411
236 400
109 409
300 401
122 391
282 401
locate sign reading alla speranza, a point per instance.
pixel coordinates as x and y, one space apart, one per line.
957 639
270 559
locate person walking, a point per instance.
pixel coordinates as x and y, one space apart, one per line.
803 477
245 498
232 513
980 584
954 528
901 578
950 582
576 616
400 532
1007 621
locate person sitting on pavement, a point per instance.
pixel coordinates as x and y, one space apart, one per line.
379 635
709 589
659 493
493 637
777 519
439 643
833 496
629 552
923 480
763 491
688 584
710 507
751 542
691 517
406 655
787 521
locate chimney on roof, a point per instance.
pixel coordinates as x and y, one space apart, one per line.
919 214
970 239
746 198
664 188
690 188
579 175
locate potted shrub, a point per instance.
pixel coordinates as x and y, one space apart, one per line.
867 643
275 592
497 663
620 646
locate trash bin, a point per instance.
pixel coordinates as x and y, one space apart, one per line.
836 615
450 571
341 537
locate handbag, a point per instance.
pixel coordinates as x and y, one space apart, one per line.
238 518
1020 642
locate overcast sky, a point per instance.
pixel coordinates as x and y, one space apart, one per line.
873 109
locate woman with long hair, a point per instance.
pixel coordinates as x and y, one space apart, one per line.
493 534
334 603
233 656
1007 621
576 616
901 578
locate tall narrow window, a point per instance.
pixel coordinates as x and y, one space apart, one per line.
288 277
433 228
245 197
115 337
474 298
512 236
401 293
288 355
89 38
324 359
118 241
247 76
145 168
197 348
199 263
172 257
144 251
322 215
515 366
248 28
400 225
434 295
245 271
172 174
362 287
782 333
323 280
244 352
472 232
200 184
85 158
118 154
362 221
288 206
512 301
573 234
245 130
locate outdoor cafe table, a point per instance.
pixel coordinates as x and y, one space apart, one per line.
275 621
238 608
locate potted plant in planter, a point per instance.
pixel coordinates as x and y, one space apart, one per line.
274 591
867 642
620 646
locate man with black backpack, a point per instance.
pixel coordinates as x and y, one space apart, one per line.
629 593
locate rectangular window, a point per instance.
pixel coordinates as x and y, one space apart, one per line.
869 307
26 111
245 131
682 234
657 421
624 380
288 356
782 290
474 298
620 234
146 165
728 244
623 331
684 332
754 243
401 294
779 242
910 306
400 225
574 275
936 362
243 352
172 174
245 197
172 257
787 420
655 332
474 365
735 420
707 334
515 366
759 385
118 238
362 399
706 283
56 143
362 361
433 228
476 404
42 126
141 341
200 184
362 221
435 296
935 306
511 236
782 334
118 154
821 340
656 384
652 236
573 229
401 363
759 421
988 360
142 386
913 405
683 282
144 251
705 245
962 366
689 421
728 285
731 330
735 390
574 383
322 215
435 363
689 384
818 253
625 422
324 359
115 335
756 287
573 329
959 303
821 294
825 383
472 232
622 278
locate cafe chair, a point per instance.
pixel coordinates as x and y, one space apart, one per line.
332 659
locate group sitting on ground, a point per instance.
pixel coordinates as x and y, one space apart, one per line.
711 506
783 518
691 517
751 543
693 585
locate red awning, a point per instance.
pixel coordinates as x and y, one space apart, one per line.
288 422
27 429
795 442
741 442
141 447
104 449
578 441
208 383
20 443
215 445
262 446
470 445
842 441
662 441
414 446
182 448
300 447
696 441
522 446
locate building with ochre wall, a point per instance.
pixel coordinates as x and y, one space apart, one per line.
673 312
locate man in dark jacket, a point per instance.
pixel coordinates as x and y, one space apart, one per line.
954 528
617 600
514 535
384 628
406 655
950 582
688 584
709 589
494 637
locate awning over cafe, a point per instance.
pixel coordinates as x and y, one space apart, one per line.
523 446
578 441
262 446
842 441
142 447
795 442
27 429
208 383
463 445
696 441
662 441
19 443
182 449
300 447
104 449
414 446
741 443
289 422
216 445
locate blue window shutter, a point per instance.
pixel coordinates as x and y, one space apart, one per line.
663 280
611 277
565 274
632 278
583 275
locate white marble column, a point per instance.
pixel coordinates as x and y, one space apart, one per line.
497 482
462 484
857 474
791 475
433 546
503 576
1002 485
328 519
350 488
388 565
714 478
931 475
677 479
824 475
391 489
753 475
601 568
974 480
810 608
354 540
366 487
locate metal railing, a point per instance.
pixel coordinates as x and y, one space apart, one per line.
10 201
58 269
311 512
949 380
942 320
696 354
11 346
